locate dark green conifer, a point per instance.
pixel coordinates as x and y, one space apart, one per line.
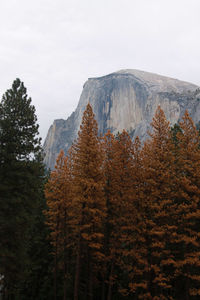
21 172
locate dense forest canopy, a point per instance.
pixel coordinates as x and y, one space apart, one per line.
124 217
116 219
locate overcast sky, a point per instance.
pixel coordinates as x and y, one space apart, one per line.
53 46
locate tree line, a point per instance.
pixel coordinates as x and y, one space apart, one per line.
116 219
124 217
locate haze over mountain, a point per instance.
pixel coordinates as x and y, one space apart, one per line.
126 99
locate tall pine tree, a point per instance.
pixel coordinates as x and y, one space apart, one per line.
60 218
21 172
158 195
186 241
90 204
118 192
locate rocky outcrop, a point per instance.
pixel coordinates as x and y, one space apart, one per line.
126 99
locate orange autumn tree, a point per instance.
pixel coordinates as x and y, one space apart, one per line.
59 215
186 242
90 205
125 209
125 218
137 250
158 194
109 174
118 190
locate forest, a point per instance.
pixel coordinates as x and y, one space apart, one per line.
116 219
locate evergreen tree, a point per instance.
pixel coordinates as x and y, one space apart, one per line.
21 172
118 191
158 195
186 241
137 248
123 208
60 218
18 124
39 280
109 192
90 205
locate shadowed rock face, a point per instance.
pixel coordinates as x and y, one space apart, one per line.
126 99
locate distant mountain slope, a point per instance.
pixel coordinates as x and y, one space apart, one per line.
126 99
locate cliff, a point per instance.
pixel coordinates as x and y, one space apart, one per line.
126 99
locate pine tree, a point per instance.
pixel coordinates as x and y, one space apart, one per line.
18 123
39 281
123 201
137 250
159 177
21 172
60 217
109 192
118 189
90 205
186 242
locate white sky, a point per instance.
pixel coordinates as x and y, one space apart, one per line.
55 45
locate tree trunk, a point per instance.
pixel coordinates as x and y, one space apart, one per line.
187 297
65 282
91 283
110 284
65 258
78 268
103 290
55 275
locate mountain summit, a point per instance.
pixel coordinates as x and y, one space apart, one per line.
126 99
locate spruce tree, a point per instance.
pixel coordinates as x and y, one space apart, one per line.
21 172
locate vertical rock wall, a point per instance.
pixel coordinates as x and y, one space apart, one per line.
124 100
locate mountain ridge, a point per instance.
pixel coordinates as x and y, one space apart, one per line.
126 99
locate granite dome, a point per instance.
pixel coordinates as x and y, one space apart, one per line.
126 99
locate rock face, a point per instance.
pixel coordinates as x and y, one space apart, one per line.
126 99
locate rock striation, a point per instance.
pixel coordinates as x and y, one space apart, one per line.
126 99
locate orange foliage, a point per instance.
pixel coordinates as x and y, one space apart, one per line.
130 213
